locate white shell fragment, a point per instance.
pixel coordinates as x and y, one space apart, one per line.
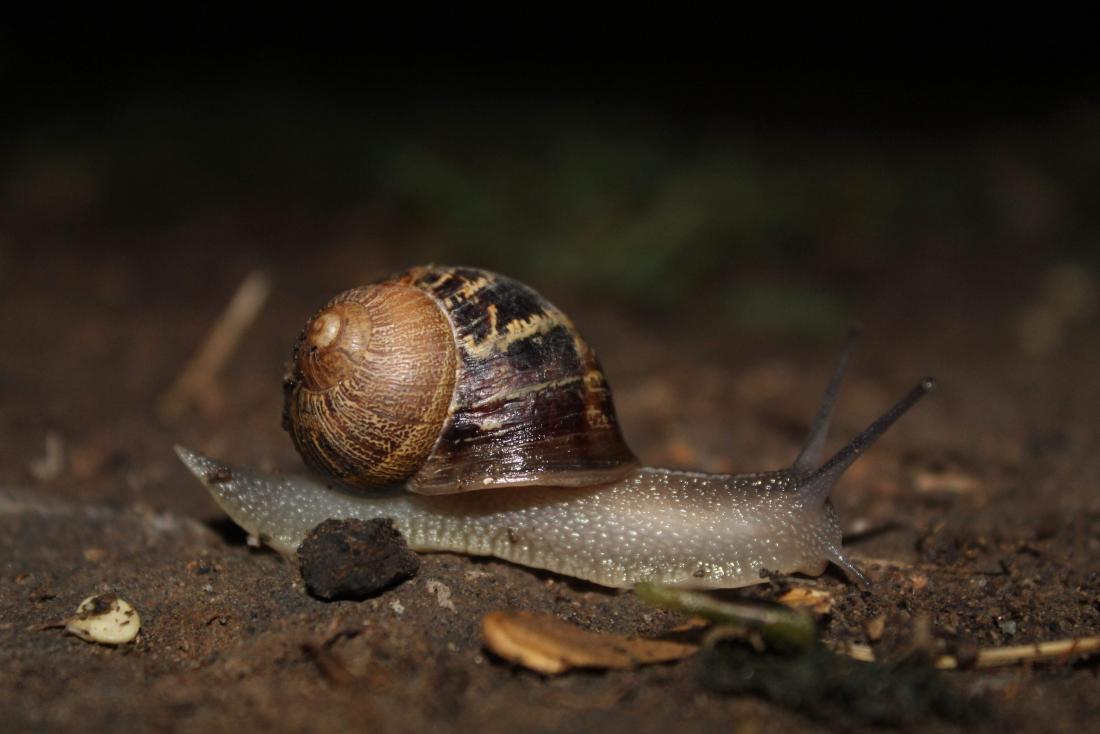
105 619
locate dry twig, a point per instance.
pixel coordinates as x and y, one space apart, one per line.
200 372
998 657
52 463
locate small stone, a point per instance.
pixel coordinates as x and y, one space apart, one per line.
355 559
442 594
105 619
94 555
919 581
874 628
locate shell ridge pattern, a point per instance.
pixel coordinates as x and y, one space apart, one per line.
530 405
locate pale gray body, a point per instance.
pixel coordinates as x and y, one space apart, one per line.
655 525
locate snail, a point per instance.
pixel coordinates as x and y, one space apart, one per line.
468 409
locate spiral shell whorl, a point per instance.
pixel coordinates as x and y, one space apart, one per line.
372 379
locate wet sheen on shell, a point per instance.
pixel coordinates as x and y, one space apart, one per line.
447 380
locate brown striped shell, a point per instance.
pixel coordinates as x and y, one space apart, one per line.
450 380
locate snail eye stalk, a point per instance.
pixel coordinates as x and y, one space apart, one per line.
811 454
818 485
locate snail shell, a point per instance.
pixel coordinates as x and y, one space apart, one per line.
450 380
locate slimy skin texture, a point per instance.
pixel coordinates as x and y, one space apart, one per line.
659 526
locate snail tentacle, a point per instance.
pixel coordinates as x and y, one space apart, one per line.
817 486
814 449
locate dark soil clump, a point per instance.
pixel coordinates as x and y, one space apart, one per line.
355 559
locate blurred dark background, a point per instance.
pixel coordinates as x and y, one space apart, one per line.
650 162
694 191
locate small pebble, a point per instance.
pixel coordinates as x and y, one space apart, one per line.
94 555
355 559
105 619
442 594
874 628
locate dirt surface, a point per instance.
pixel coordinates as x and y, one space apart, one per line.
979 512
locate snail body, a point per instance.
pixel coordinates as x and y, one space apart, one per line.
526 462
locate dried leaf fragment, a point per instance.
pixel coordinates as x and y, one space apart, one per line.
105 619
197 383
817 601
549 645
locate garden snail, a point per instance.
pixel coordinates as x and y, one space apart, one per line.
482 400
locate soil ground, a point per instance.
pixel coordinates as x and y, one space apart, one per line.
979 512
